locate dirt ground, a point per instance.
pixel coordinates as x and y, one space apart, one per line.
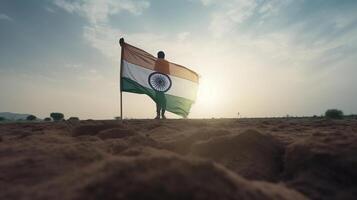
180 159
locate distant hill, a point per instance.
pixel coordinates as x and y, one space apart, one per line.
13 116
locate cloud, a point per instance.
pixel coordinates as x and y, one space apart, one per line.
272 7
93 71
228 14
99 11
294 33
258 48
5 17
183 36
73 66
99 33
48 9
91 75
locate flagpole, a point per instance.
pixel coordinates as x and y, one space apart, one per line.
121 42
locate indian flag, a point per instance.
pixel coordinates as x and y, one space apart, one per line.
169 85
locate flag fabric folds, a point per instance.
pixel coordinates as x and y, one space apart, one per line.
170 85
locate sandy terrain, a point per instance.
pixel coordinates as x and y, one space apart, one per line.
180 159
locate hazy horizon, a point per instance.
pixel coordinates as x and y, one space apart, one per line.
258 58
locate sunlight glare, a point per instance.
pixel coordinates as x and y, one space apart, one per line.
208 94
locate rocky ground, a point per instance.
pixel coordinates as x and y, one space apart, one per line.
180 159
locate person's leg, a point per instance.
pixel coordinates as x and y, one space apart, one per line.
163 114
158 108
163 109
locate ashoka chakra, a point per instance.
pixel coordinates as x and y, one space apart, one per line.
159 82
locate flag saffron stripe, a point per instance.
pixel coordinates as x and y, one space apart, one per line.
141 58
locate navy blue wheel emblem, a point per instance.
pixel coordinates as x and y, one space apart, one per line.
159 82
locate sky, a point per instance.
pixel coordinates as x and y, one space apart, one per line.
258 58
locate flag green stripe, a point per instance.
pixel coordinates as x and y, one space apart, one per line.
174 104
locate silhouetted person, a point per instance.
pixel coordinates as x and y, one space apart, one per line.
162 66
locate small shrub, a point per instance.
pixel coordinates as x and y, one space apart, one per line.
47 119
351 116
73 119
334 114
31 118
2 119
57 116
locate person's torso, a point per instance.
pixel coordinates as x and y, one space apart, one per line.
162 66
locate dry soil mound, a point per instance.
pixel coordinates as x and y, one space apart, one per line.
183 144
116 133
135 159
323 166
250 154
93 129
165 177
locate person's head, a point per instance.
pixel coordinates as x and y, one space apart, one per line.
160 54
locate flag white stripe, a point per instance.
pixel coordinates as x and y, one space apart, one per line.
180 87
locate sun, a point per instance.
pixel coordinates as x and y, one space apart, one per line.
208 96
